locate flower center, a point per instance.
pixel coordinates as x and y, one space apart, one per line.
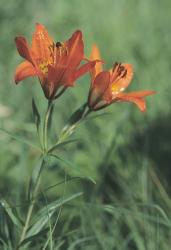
118 72
44 66
57 51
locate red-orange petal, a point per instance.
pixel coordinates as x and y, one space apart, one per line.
42 44
121 84
75 48
55 78
95 55
138 94
99 87
84 69
66 76
135 97
24 48
24 70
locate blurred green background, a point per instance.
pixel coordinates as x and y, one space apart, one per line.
126 152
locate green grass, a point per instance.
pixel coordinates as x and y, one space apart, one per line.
126 152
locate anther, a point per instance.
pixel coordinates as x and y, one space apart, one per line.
125 73
115 66
58 44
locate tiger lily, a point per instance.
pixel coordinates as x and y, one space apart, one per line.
57 65
107 86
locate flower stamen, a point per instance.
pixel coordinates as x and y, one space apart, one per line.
118 72
61 49
44 66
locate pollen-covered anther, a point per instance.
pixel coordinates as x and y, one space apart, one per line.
121 70
122 89
44 67
51 49
118 72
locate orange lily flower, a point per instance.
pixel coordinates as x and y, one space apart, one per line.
107 86
57 65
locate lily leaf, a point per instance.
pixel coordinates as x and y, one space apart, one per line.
20 139
43 216
35 177
31 238
68 180
75 117
68 163
10 211
36 114
9 224
4 232
60 144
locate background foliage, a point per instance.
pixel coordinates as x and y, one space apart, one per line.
126 152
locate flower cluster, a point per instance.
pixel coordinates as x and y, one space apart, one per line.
59 64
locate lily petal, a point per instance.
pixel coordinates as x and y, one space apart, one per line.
55 78
24 48
99 87
135 97
138 94
24 70
84 69
55 74
75 48
95 55
66 76
42 44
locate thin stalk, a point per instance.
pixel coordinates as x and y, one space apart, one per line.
39 137
86 113
29 213
59 213
60 93
45 126
31 207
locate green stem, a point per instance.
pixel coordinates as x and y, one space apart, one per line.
31 206
66 133
86 113
29 213
39 137
45 142
45 126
